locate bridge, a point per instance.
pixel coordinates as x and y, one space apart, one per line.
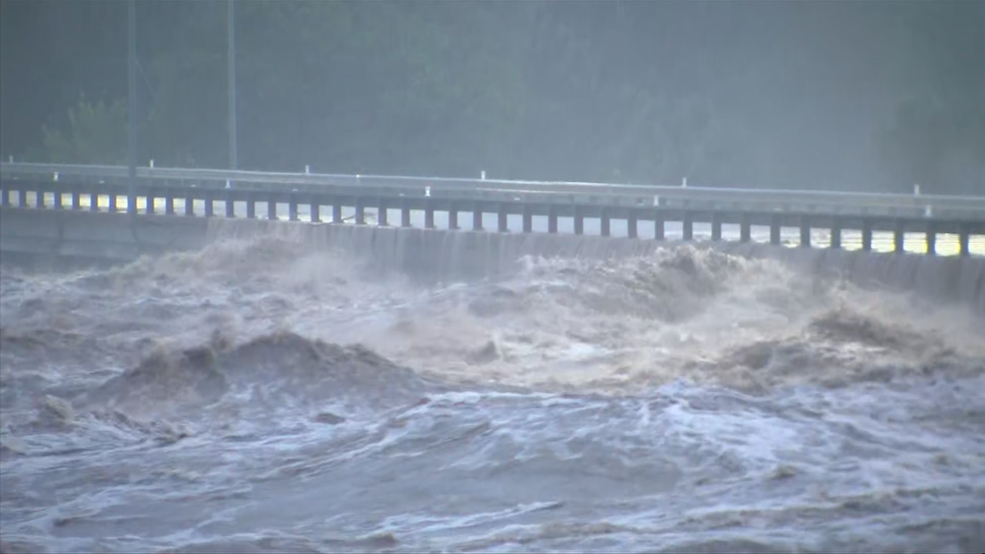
918 223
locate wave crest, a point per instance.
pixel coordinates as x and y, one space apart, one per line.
266 372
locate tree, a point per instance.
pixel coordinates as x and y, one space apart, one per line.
96 134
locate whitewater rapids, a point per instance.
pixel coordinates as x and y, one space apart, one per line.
260 397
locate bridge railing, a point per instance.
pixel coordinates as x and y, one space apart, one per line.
912 205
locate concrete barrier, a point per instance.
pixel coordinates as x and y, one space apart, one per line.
95 236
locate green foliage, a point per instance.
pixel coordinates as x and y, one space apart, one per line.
96 134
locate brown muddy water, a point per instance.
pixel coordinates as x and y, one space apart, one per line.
258 397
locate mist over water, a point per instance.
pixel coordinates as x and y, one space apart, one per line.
263 395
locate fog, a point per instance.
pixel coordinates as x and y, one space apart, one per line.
836 95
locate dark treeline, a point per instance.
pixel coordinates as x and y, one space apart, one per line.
843 95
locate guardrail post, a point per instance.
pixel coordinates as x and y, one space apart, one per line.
360 218
898 237
453 215
688 225
963 238
477 217
315 209
292 206
631 223
659 233
579 221
503 227
552 219
230 203
931 238
866 234
775 229
272 206
428 214
805 231
606 222
716 226
381 213
528 218
208 203
745 228
836 233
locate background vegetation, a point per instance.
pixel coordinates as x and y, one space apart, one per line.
844 95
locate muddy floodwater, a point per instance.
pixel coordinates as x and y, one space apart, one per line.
258 396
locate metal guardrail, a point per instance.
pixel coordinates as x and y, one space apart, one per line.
931 206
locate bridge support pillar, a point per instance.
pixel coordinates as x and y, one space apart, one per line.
528 219
404 214
805 231
76 199
552 220
631 230
360 218
150 196
866 235
687 226
315 209
230 204
292 207
775 229
251 205
39 198
22 198
836 233
579 222
453 216
898 237
716 226
931 238
208 204
382 217
57 199
337 210
112 202
745 228
428 214
658 226
477 217
501 213
272 207
963 239
189 204
4 196
605 222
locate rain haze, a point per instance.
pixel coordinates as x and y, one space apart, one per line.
568 276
